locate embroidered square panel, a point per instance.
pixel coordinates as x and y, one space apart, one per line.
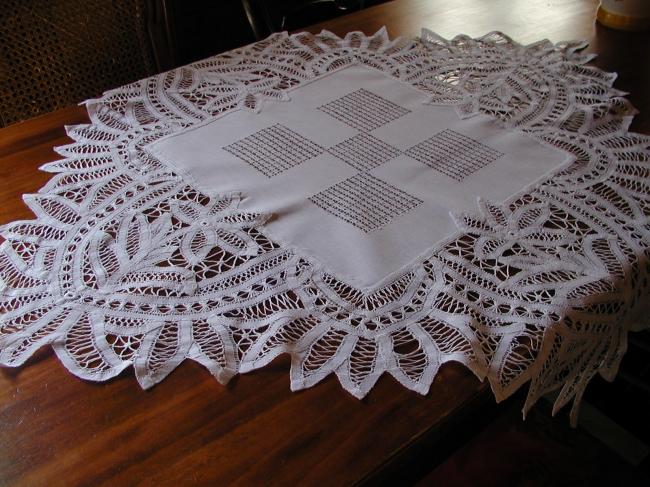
274 149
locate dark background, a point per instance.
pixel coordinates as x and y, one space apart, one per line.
55 53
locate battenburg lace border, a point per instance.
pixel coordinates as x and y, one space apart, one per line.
128 264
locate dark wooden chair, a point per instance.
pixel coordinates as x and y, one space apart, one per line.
267 16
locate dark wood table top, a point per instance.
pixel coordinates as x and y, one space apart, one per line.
58 430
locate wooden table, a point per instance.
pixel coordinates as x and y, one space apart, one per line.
58 430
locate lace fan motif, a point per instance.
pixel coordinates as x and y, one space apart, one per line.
128 264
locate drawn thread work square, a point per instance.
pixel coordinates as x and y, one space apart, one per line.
275 149
454 154
364 152
364 201
363 110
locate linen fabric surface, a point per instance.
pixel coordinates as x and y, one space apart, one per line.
366 205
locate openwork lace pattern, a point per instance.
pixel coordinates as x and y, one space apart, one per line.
127 264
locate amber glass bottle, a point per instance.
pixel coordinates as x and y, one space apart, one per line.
625 14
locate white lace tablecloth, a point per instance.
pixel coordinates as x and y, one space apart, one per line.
366 205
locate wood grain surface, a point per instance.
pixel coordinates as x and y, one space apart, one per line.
56 429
